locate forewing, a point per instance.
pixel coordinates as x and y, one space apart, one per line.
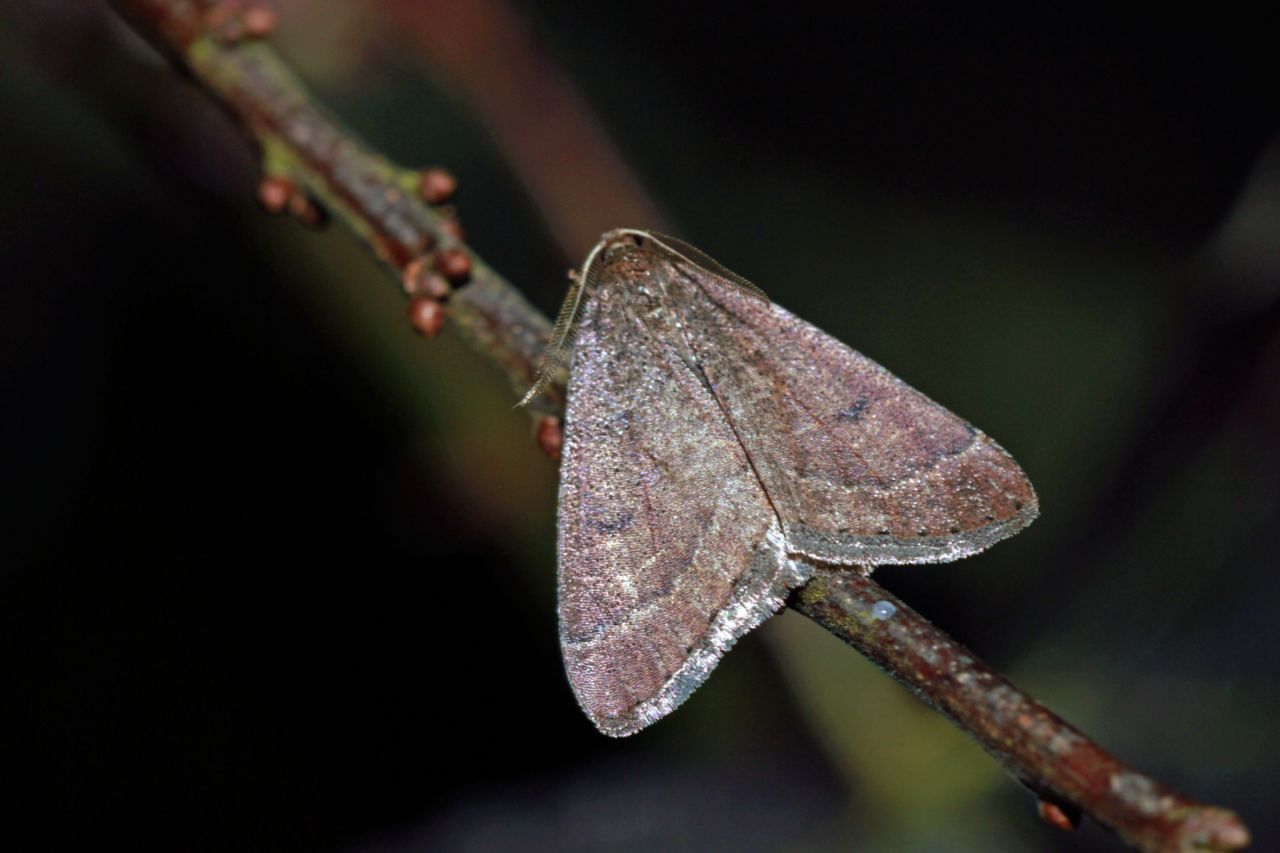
668 548
863 469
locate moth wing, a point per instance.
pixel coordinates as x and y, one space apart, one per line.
862 468
668 548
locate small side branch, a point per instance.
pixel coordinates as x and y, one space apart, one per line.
313 166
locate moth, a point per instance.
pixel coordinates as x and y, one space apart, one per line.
716 449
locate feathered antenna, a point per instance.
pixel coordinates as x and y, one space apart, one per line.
566 326
708 264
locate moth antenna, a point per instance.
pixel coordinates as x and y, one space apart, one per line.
696 256
555 343
565 328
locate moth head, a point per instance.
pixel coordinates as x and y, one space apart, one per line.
621 246
622 251
629 253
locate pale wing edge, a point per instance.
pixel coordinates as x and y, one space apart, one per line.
886 549
758 595
871 551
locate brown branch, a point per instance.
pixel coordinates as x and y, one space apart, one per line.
1067 770
308 158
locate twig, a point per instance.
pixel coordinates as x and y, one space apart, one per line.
1068 771
308 158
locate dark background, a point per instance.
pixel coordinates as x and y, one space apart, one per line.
276 574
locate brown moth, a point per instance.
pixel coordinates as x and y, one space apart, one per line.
715 447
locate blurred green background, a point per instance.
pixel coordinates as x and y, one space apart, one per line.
278 574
